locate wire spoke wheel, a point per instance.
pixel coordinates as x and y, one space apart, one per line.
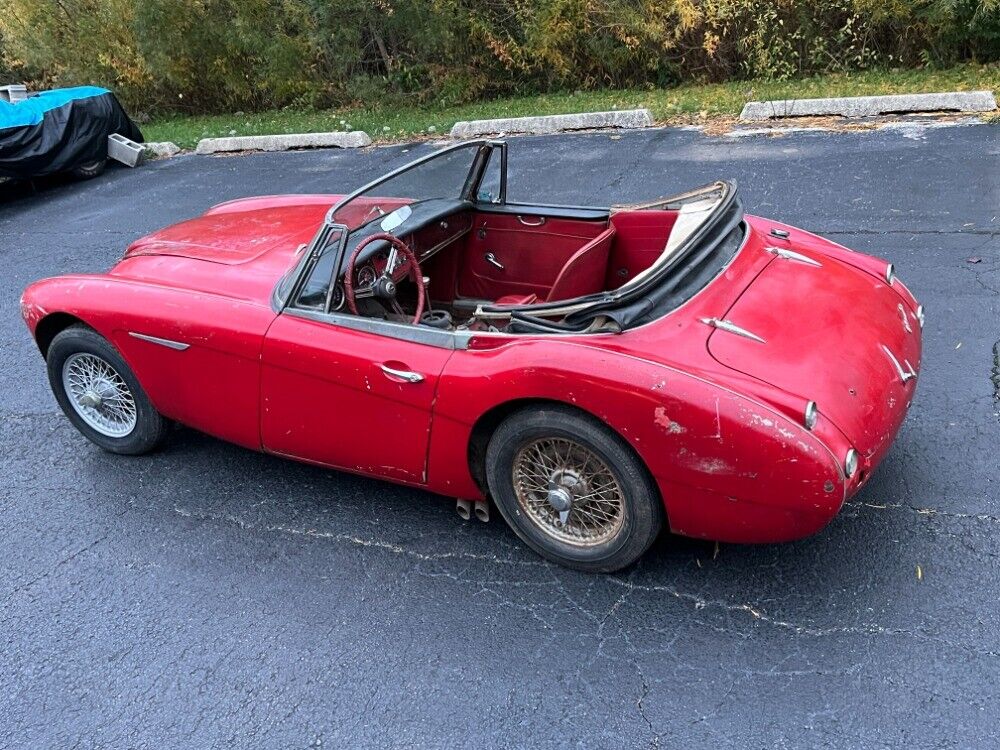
568 491
99 394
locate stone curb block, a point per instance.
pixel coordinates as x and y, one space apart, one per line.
353 139
625 118
870 106
162 149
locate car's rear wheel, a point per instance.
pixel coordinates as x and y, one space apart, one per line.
100 394
572 489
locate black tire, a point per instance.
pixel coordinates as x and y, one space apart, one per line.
642 506
150 428
90 169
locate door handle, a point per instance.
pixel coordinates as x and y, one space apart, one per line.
492 260
539 221
407 375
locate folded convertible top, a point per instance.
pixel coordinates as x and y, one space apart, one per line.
58 130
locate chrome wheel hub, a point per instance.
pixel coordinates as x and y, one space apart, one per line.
99 395
568 492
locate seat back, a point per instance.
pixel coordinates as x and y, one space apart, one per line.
584 273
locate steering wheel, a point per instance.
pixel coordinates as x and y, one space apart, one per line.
384 287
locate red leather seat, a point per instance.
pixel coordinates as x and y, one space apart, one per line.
582 274
585 271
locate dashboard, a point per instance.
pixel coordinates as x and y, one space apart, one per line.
428 227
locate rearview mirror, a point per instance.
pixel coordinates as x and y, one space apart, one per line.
397 217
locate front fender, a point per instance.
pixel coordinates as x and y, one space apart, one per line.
210 382
728 466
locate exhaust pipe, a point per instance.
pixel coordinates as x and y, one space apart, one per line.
464 508
483 510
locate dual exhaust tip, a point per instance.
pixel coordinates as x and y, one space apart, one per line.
466 509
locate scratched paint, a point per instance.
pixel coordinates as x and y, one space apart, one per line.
661 419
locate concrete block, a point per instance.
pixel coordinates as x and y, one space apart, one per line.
122 149
870 106
625 118
13 93
352 139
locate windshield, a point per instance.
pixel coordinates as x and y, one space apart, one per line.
443 176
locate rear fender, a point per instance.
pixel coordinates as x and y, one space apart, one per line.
694 436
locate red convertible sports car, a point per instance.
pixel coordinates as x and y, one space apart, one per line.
596 372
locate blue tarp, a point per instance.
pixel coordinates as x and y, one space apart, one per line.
31 111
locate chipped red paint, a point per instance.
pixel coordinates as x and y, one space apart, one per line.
717 418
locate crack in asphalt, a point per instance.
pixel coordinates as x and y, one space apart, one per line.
995 377
28 585
755 613
352 539
934 512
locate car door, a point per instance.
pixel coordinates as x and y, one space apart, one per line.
351 393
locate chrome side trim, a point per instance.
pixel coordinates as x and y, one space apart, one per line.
904 375
729 327
920 315
890 274
437 337
177 345
792 255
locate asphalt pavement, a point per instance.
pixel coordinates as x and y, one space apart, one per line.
207 596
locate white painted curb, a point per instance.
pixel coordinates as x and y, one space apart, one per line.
624 118
353 139
870 106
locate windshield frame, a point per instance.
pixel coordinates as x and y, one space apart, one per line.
311 254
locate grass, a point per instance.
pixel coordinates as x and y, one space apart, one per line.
687 103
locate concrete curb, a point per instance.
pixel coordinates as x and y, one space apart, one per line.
624 118
870 106
353 139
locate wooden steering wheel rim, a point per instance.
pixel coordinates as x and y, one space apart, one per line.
415 273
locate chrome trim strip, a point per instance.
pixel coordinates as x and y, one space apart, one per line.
729 327
176 345
403 331
920 315
903 374
792 255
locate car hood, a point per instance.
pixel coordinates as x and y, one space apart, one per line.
234 234
829 332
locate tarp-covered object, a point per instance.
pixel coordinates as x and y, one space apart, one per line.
58 130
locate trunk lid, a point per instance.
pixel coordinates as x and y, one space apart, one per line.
832 334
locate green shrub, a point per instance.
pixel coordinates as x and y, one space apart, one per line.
218 55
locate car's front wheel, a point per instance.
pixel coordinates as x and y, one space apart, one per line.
89 170
100 394
572 489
